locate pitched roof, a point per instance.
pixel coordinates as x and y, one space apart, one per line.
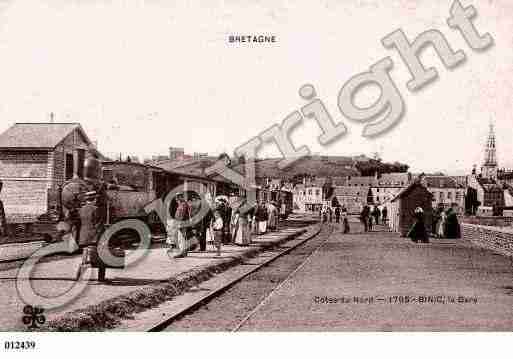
363 181
408 189
394 179
37 135
351 191
441 182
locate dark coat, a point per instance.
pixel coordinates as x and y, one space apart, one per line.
452 226
418 229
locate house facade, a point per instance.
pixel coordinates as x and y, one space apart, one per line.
308 196
446 192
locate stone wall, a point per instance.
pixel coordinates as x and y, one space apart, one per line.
488 221
499 239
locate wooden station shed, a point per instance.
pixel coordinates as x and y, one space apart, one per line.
401 208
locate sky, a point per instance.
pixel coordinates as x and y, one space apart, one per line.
141 76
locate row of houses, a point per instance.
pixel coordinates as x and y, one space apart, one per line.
353 192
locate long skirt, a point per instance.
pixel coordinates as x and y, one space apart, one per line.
242 233
418 232
262 227
177 237
452 228
271 222
440 228
346 226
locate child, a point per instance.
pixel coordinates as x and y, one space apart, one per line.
345 220
217 226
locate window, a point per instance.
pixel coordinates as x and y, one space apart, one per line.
317 192
68 166
449 195
81 158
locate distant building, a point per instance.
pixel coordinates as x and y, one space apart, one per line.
199 155
388 185
35 159
176 153
308 196
489 168
446 192
485 189
352 197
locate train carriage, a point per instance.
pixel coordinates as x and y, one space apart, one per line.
138 185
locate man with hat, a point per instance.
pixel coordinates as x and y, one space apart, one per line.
86 203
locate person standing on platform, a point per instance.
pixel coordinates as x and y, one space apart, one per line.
384 216
324 213
181 229
272 220
440 226
261 217
345 220
337 214
452 225
418 230
434 221
364 218
283 210
202 224
217 228
241 232
227 216
376 213
90 215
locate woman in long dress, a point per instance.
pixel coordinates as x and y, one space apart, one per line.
241 232
345 221
452 227
272 216
440 227
418 230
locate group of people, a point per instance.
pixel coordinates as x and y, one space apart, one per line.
340 213
371 215
218 223
444 224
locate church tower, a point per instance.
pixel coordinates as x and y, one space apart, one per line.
490 166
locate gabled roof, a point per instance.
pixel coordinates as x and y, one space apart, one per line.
408 189
441 182
38 135
394 179
352 191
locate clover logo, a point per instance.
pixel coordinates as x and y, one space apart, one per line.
33 316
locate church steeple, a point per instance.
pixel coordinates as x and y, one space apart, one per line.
489 169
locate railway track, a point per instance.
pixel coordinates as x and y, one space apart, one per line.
231 305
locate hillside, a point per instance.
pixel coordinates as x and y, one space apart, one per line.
324 166
320 166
